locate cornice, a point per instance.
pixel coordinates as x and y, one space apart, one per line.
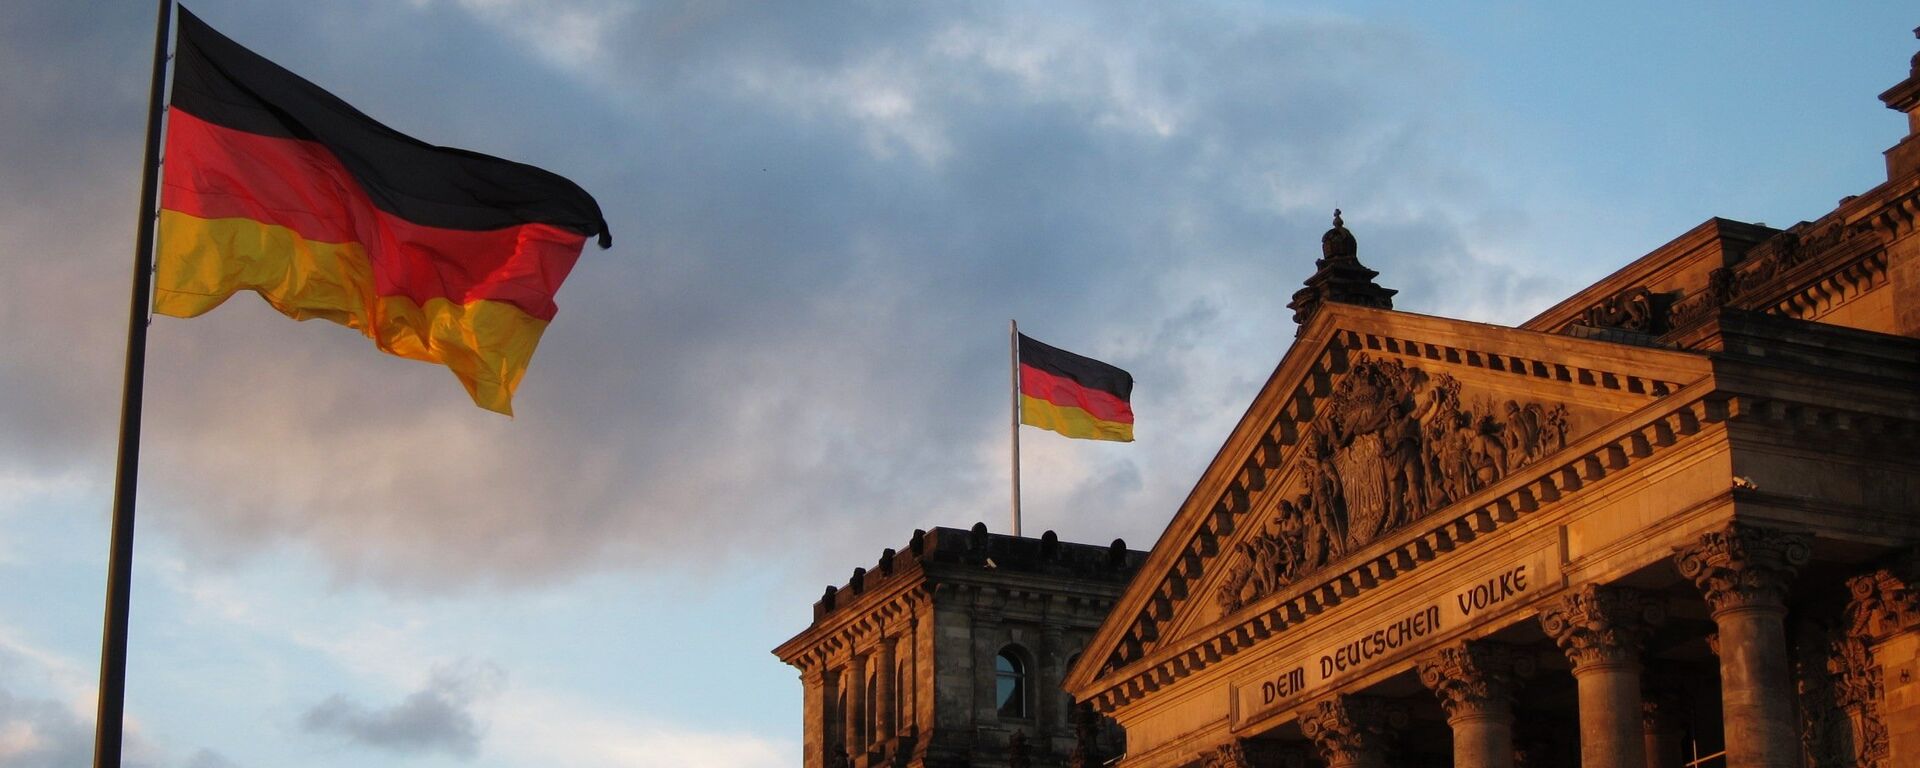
848 628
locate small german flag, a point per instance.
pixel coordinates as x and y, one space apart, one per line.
276 186
1073 395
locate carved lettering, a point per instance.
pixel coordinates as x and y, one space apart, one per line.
1493 591
1294 681
1380 641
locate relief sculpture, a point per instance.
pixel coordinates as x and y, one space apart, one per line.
1393 445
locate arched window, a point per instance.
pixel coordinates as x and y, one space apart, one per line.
837 720
1010 682
871 711
900 703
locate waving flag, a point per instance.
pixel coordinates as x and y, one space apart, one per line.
1073 395
275 186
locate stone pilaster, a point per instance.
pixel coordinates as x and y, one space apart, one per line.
885 722
856 710
814 740
1745 573
1603 630
1881 705
1475 682
1352 731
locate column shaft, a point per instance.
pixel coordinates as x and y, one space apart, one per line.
1745 573
1602 630
884 721
1611 735
1756 697
855 714
1481 741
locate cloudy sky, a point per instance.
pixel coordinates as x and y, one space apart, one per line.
795 354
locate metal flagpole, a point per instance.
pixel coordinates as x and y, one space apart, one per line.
1013 339
113 642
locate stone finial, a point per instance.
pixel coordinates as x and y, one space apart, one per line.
1339 277
1597 625
1338 243
1743 566
1472 679
1349 729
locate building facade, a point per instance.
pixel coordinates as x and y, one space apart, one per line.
951 653
1671 521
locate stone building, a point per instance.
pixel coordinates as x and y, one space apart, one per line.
951 653
1671 521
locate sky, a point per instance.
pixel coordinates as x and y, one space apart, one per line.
824 214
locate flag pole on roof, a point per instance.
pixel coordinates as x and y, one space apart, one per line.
1013 342
1074 395
110 715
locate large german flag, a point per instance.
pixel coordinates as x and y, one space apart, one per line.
1073 395
275 186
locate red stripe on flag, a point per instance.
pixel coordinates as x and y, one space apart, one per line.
214 172
1061 390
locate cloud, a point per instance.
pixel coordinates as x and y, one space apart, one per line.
39 731
436 718
825 216
42 732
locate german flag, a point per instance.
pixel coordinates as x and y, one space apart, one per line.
1073 395
275 186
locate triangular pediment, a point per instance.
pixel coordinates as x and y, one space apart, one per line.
1375 422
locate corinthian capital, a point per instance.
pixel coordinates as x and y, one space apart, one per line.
1601 625
1744 566
1246 753
1472 679
1346 729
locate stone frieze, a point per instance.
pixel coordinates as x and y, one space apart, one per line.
1394 445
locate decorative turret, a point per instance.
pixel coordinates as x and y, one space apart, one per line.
1904 158
1339 277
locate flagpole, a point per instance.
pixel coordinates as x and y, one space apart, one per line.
113 642
1013 341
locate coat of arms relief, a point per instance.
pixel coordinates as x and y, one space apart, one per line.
1394 444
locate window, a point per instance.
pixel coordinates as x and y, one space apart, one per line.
870 714
1010 682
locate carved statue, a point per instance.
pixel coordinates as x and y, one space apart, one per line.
1393 445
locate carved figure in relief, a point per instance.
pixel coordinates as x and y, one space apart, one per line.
1393 445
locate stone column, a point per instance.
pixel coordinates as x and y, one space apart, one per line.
1475 682
1602 630
1352 731
1660 720
1745 572
884 721
856 677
